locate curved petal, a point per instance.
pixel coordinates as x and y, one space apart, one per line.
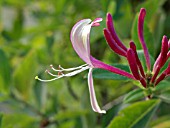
79 37
93 100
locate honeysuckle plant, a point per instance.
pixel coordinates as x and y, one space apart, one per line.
80 39
151 78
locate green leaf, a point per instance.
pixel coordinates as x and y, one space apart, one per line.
161 122
104 74
60 5
123 17
25 73
134 95
5 72
151 7
1 120
68 124
134 114
147 36
164 124
165 96
62 115
142 59
14 121
106 118
163 86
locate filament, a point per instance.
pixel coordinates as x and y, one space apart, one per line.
75 71
67 69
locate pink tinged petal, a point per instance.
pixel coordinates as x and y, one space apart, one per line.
168 55
165 73
96 22
99 64
133 47
161 59
169 43
141 37
164 51
156 63
93 99
155 74
113 45
109 23
80 38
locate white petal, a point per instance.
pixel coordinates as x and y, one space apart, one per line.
80 39
93 99
80 35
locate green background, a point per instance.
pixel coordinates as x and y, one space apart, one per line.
36 33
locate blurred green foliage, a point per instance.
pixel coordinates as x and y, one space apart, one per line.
35 34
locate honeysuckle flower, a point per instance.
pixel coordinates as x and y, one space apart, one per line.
146 79
79 37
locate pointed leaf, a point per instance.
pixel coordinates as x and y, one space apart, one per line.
152 6
106 118
25 73
1 120
134 95
165 96
5 76
134 114
163 86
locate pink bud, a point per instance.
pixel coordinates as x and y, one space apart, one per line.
141 37
109 23
113 45
132 63
133 47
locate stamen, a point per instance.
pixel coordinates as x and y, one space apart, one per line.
62 74
66 69
76 71
47 71
37 78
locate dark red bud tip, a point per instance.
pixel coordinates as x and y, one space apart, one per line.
164 44
132 63
109 21
109 16
164 51
110 27
132 45
143 12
